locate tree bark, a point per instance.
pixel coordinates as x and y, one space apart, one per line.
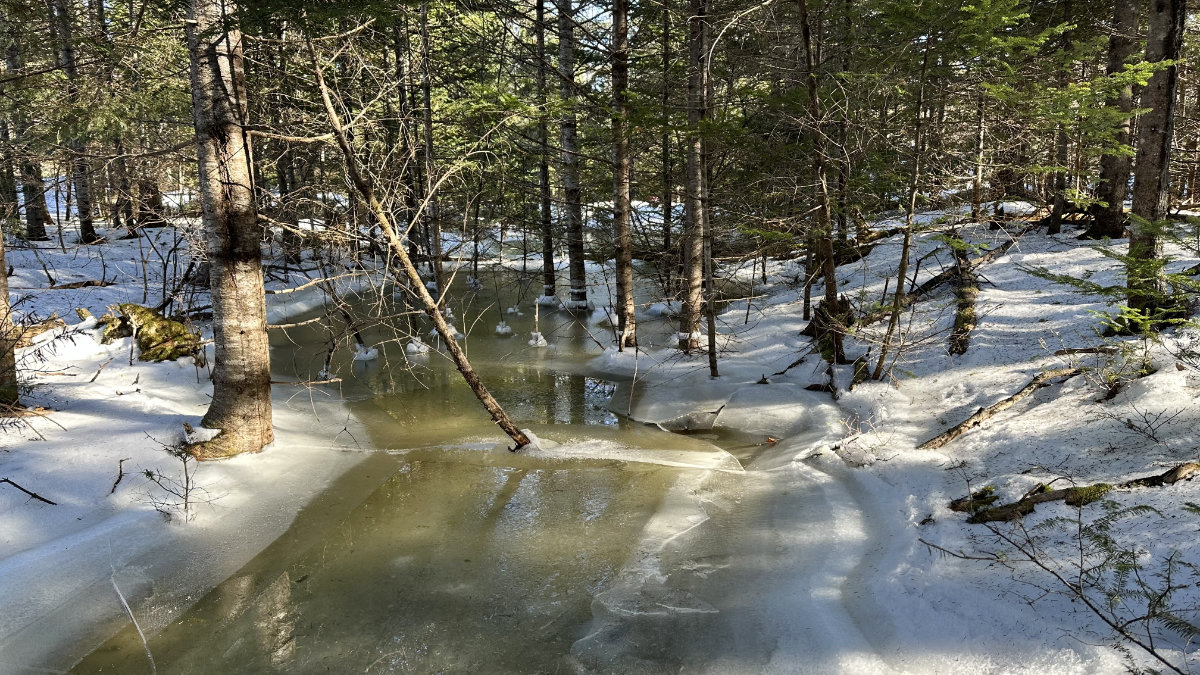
432 217
824 225
572 194
79 165
241 405
622 170
910 212
29 171
549 281
8 335
1152 169
1113 184
693 241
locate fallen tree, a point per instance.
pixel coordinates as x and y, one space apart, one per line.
983 414
979 504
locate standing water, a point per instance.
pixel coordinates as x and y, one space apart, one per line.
445 552
615 547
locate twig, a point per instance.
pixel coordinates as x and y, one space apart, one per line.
120 474
100 369
31 494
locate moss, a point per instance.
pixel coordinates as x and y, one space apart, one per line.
979 500
158 338
1007 512
1080 496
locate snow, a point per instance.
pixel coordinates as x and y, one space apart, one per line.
822 541
862 593
112 419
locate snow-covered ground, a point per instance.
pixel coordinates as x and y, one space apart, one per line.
888 579
60 565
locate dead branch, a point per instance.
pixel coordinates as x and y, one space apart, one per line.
34 495
1074 496
983 414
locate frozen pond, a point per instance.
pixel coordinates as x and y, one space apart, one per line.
447 553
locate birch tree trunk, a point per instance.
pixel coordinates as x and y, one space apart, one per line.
241 405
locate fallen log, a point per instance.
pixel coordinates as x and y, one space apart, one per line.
981 510
983 414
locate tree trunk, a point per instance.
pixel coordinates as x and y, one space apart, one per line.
977 179
1152 169
241 404
79 164
1113 183
824 225
910 210
1059 208
9 204
432 217
622 170
669 258
8 335
548 275
29 171
693 236
570 156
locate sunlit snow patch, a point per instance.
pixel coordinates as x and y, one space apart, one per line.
416 347
503 328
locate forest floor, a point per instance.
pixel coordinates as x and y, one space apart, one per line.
894 580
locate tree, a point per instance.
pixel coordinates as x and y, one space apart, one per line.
8 360
241 404
1152 168
1113 183
572 196
694 204
29 170
80 172
622 169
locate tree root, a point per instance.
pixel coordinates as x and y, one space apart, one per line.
979 503
983 414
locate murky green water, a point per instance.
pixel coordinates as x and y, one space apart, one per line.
447 553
